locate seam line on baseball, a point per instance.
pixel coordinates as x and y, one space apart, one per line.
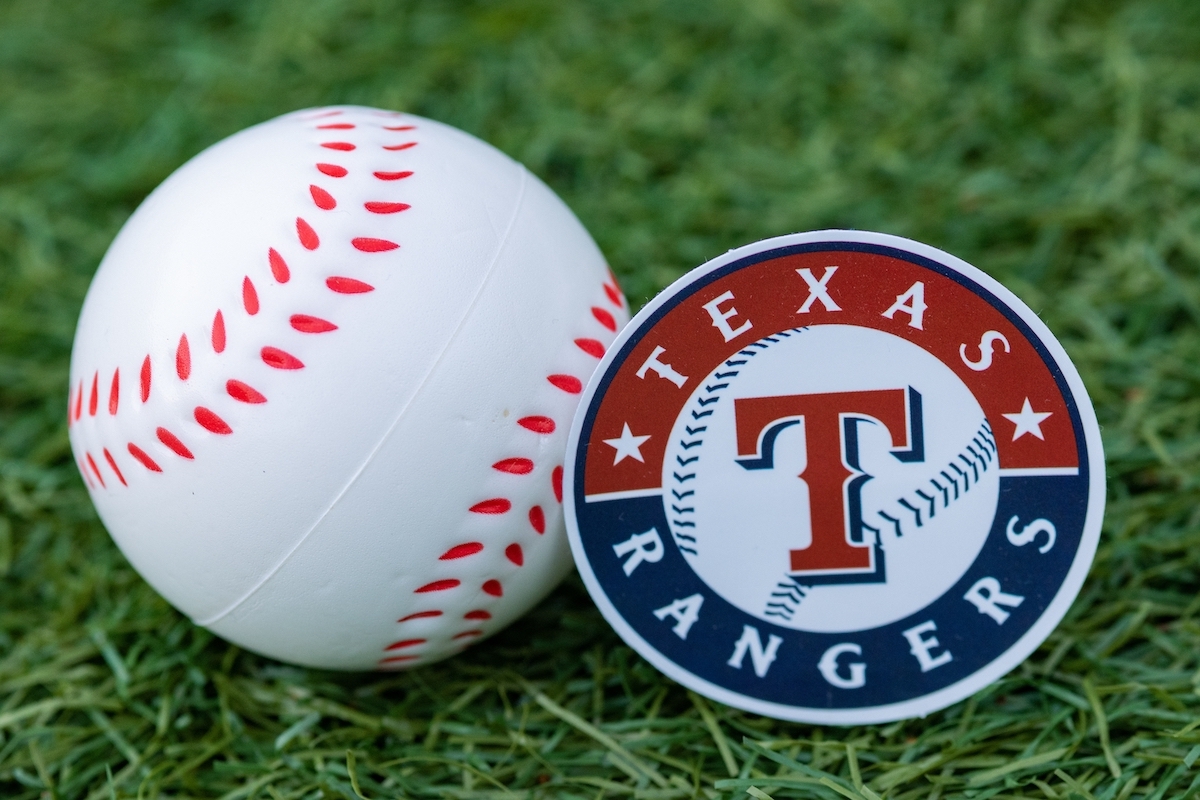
266 577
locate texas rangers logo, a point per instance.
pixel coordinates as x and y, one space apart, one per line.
835 477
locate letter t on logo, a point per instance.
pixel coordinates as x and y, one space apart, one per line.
661 369
839 551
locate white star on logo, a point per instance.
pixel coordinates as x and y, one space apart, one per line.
627 445
1028 421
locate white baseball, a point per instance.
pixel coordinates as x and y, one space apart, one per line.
322 383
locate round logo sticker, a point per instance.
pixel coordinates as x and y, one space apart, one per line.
835 477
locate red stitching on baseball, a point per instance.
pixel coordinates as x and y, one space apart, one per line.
274 357
343 146
145 379
461 551
568 383
83 471
322 198
94 400
404 643
279 267
438 586
420 615
497 505
324 114
515 466
114 392
92 463
493 588
79 402
369 245
399 127
112 462
308 237
172 441
537 424
614 295
70 405
513 553
218 333
211 422
397 659
333 170
348 285
556 481
336 126
604 318
537 518
183 358
392 176
395 147
249 296
243 392
591 346
466 634
145 460
386 208
306 324
478 613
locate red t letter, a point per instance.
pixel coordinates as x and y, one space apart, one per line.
839 551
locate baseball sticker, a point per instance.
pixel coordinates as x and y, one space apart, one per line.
835 477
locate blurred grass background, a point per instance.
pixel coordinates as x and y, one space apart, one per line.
1053 144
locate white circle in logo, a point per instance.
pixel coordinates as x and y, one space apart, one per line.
918 498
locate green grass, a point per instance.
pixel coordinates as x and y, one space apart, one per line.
1055 145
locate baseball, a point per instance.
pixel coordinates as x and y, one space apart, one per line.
322 383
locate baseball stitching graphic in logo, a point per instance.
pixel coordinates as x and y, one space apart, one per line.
836 477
